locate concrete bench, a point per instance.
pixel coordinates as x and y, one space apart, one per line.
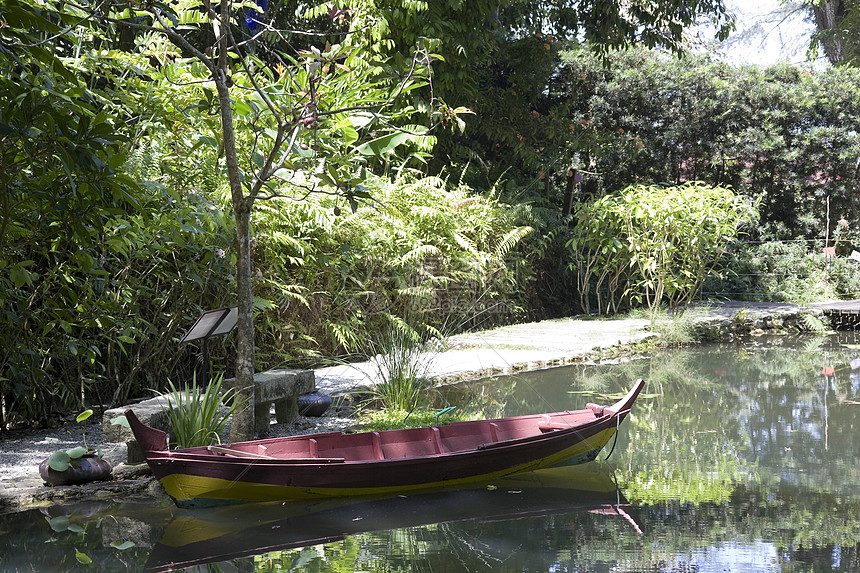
279 387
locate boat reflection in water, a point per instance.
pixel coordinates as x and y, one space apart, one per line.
222 533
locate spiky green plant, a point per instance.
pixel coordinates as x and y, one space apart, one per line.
402 367
198 415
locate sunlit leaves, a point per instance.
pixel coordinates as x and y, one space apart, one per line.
653 244
383 145
83 558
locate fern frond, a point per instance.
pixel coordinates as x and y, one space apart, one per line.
510 240
464 242
418 253
813 323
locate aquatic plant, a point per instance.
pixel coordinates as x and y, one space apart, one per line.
62 460
402 367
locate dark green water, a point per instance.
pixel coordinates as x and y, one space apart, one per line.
736 458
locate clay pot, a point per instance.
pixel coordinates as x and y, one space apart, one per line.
90 467
313 404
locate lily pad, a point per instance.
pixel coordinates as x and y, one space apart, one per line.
59 461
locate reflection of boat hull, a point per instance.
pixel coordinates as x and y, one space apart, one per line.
379 463
217 534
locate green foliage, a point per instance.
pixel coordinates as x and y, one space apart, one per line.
114 227
674 329
500 59
653 244
62 460
784 271
814 323
103 314
783 135
98 266
198 415
402 366
422 252
395 419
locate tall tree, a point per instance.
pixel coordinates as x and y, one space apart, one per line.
837 34
500 58
280 98
287 116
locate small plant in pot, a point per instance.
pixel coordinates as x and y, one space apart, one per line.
78 465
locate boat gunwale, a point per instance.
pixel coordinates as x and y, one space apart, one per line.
603 414
185 455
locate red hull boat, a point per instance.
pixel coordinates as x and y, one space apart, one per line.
371 463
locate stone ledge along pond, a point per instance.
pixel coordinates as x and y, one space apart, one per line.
737 457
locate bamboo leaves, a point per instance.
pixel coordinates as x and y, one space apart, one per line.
653 244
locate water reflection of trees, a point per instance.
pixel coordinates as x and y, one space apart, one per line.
731 445
738 442
673 533
561 542
726 414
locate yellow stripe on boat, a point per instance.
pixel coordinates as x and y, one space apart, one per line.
185 489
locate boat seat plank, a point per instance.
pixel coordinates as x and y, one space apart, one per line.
377 447
227 451
351 447
512 429
434 439
552 426
494 431
465 436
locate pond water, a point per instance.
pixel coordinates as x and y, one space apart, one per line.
735 458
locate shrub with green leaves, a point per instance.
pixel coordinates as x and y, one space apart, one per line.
653 244
786 135
785 271
423 253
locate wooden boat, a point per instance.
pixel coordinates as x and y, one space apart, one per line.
373 463
214 535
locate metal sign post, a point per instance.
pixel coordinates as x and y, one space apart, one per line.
211 323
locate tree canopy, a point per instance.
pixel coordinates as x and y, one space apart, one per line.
124 126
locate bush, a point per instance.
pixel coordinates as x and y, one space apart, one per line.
653 244
786 135
98 321
422 256
785 271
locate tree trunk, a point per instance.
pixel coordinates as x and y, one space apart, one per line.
569 194
242 426
828 19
